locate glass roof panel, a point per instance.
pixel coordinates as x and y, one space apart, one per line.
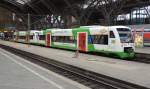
22 1
18 2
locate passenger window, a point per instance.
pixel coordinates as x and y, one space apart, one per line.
22 37
31 36
41 37
111 34
63 39
100 39
105 40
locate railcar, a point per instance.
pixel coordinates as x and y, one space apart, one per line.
37 37
34 37
115 40
20 36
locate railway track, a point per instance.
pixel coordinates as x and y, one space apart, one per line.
139 57
85 77
142 57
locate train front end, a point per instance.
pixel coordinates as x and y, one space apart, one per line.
127 43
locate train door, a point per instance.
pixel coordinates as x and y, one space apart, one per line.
48 39
112 42
82 41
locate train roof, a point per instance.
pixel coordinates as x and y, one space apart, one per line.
34 30
22 31
120 27
99 26
93 26
58 30
88 27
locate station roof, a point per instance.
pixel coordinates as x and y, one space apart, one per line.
57 6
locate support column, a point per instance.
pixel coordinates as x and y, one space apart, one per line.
28 31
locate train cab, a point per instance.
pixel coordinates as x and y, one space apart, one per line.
116 40
124 44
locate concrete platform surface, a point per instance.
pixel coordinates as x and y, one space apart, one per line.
134 72
17 73
143 50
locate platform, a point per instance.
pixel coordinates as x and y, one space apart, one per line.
143 50
17 73
129 71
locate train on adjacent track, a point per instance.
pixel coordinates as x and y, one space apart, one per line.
113 40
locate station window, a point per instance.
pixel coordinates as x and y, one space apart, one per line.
111 34
63 39
100 39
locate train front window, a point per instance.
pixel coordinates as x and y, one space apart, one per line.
125 35
111 34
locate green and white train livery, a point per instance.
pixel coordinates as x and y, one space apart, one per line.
37 37
20 36
115 40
